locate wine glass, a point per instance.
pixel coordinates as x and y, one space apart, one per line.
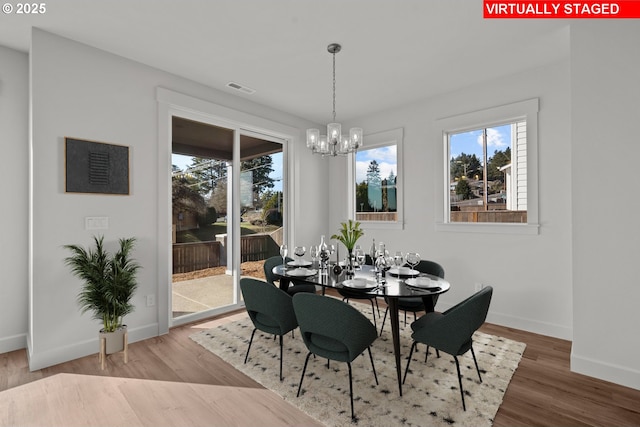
313 252
413 258
299 251
360 256
398 259
283 253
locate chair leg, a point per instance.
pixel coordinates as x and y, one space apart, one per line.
250 341
353 415
476 362
303 371
426 354
460 382
281 357
384 319
413 347
377 306
372 365
373 311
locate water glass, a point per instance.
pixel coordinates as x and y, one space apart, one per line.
398 259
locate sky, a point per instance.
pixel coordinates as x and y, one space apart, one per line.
498 138
386 157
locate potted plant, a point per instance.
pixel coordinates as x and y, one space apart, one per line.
109 282
349 233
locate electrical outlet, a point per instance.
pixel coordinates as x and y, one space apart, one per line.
151 300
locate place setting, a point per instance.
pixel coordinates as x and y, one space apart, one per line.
298 267
412 259
361 284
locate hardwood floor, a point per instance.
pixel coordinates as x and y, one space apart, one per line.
543 391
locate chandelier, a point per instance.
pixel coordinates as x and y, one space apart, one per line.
334 143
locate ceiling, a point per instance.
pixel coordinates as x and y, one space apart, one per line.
197 139
394 52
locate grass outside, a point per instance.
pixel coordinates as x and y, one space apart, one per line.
208 232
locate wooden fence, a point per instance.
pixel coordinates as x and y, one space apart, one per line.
489 216
195 256
256 247
376 216
198 256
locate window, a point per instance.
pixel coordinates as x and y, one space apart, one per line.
491 169
377 189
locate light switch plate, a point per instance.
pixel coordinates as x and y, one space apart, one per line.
96 223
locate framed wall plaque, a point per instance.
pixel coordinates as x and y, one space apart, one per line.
96 167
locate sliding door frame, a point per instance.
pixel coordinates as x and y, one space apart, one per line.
172 104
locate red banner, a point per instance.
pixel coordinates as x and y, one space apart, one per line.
561 9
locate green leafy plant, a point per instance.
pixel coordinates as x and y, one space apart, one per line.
349 233
109 281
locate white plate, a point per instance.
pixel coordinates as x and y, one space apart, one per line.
361 284
302 272
403 271
299 263
422 282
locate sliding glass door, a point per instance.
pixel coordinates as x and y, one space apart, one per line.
227 213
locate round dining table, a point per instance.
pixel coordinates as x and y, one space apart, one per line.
396 283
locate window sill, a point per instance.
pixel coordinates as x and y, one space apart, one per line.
492 228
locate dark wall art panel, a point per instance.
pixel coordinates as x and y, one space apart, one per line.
95 167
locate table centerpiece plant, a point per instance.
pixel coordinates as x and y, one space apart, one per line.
348 234
109 282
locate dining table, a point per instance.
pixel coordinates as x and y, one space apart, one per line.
395 283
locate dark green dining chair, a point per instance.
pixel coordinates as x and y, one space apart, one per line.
348 294
452 331
414 304
294 287
334 330
270 310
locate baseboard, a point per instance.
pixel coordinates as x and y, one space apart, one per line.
605 371
88 347
524 324
13 343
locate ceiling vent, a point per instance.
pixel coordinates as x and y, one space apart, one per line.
243 89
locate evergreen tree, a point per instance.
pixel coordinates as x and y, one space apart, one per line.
465 165
498 160
374 185
362 198
463 189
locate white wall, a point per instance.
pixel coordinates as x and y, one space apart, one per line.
14 189
605 92
82 92
531 274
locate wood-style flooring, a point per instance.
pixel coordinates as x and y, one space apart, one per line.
543 391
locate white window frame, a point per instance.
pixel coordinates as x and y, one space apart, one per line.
527 110
381 139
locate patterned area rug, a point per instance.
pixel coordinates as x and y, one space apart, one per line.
431 393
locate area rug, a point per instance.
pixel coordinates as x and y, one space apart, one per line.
431 394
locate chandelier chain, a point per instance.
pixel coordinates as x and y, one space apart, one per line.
334 87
